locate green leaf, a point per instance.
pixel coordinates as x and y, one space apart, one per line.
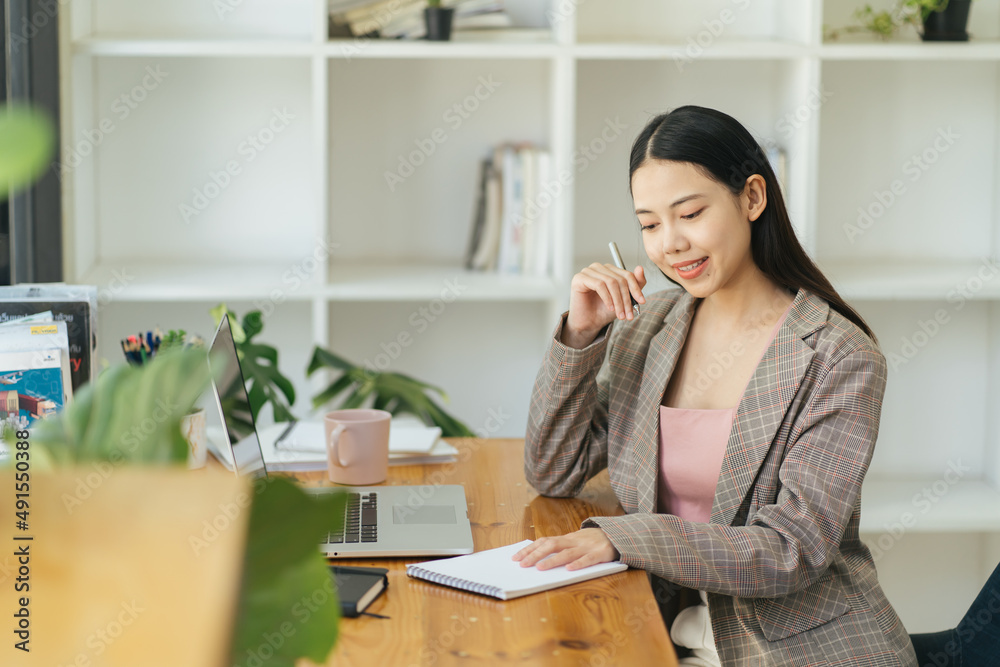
337 386
357 398
259 362
130 413
239 336
325 359
286 581
26 140
253 324
394 392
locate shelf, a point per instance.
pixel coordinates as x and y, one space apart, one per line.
135 281
536 43
513 43
124 47
929 506
404 281
616 49
139 281
889 279
915 50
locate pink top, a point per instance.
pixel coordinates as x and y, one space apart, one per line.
692 446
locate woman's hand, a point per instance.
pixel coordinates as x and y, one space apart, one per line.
599 294
576 550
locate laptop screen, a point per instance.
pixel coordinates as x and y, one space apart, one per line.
231 397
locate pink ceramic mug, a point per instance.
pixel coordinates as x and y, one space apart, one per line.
357 446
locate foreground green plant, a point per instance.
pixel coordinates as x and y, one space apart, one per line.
393 392
26 139
131 416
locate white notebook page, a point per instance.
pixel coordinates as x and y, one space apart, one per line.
495 569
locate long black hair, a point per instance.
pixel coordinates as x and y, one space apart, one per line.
722 149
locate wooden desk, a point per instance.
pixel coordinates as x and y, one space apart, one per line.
611 620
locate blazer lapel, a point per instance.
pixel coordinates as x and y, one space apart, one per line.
664 348
764 403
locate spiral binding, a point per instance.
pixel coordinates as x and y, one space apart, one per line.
455 582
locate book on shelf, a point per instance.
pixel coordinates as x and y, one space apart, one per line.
492 572
512 227
76 305
404 19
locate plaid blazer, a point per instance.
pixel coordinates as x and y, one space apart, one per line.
789 581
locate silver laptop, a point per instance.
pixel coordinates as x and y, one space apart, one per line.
430 520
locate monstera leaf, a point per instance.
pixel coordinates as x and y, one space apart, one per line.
393 392
265 383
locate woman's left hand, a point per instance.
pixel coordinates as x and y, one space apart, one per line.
583 548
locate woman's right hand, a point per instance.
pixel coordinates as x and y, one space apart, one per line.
598 295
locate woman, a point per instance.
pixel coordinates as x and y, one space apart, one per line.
737 416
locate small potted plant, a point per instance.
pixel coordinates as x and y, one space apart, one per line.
438 20
945 20
941 20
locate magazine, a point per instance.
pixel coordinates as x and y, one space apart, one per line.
76 305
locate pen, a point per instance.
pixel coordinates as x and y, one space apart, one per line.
617 256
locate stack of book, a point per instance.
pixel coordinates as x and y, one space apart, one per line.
512 223
34 374
404 19
74 305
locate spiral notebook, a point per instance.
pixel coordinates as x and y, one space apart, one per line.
492 572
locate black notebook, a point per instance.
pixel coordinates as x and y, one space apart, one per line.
357 587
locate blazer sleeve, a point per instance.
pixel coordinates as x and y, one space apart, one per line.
785 546
567 437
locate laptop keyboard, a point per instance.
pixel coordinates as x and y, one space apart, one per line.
360 520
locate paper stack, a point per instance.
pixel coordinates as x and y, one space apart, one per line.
304 447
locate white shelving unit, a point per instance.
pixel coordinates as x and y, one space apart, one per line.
307 228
